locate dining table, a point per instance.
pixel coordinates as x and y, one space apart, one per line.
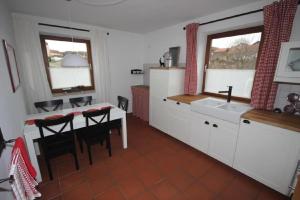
31 132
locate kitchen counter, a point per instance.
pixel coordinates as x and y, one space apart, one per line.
286 121
187 98
283 120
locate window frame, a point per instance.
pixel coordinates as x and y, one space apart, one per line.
229 34
43 39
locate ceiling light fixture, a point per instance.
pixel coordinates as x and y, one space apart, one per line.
73 59
101 2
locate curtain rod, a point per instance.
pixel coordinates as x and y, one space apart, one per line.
233 16
66 27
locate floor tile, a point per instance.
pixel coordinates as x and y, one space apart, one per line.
100 185
144 196
198 191
50 189
180 179
214 182
149 176
112 193
164 190
129 154
79 192
130 186
68 182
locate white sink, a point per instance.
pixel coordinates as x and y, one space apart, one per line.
211 102
220 109
235 107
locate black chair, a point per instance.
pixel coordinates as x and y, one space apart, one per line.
96 133
123 104
80 101
44 106
62 142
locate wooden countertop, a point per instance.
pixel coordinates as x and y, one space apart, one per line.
286 121
141 86
187 98
283 120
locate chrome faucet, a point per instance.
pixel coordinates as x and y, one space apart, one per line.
229 91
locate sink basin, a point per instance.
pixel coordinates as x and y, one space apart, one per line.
211 102
219 108
235 107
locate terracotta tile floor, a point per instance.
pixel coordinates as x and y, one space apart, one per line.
154 167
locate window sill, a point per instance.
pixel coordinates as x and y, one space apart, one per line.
73 93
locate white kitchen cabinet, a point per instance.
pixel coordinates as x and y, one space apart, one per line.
158 113
214 137
199 131
178 120
222 143
268 154
166 82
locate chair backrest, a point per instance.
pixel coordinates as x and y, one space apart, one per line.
123 103
75 102
103 113
46 105
47 123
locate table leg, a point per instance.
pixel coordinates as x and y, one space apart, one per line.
124 131
32 155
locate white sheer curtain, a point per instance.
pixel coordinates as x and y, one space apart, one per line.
101 65
32 67
31 64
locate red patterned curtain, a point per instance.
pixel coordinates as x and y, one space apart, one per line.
278 23
190 81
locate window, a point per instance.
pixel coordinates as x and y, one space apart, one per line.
231 61
67 79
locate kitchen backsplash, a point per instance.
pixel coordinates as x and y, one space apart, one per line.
283 91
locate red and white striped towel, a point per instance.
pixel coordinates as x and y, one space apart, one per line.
24 183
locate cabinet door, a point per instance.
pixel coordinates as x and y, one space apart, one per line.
176 82
158 114
267 154
178 121
223 139
199 131
159 83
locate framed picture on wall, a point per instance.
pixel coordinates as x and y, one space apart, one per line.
11 65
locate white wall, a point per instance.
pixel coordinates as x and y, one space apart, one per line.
125 52
159 41
12 109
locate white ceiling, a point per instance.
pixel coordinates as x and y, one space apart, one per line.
138 16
